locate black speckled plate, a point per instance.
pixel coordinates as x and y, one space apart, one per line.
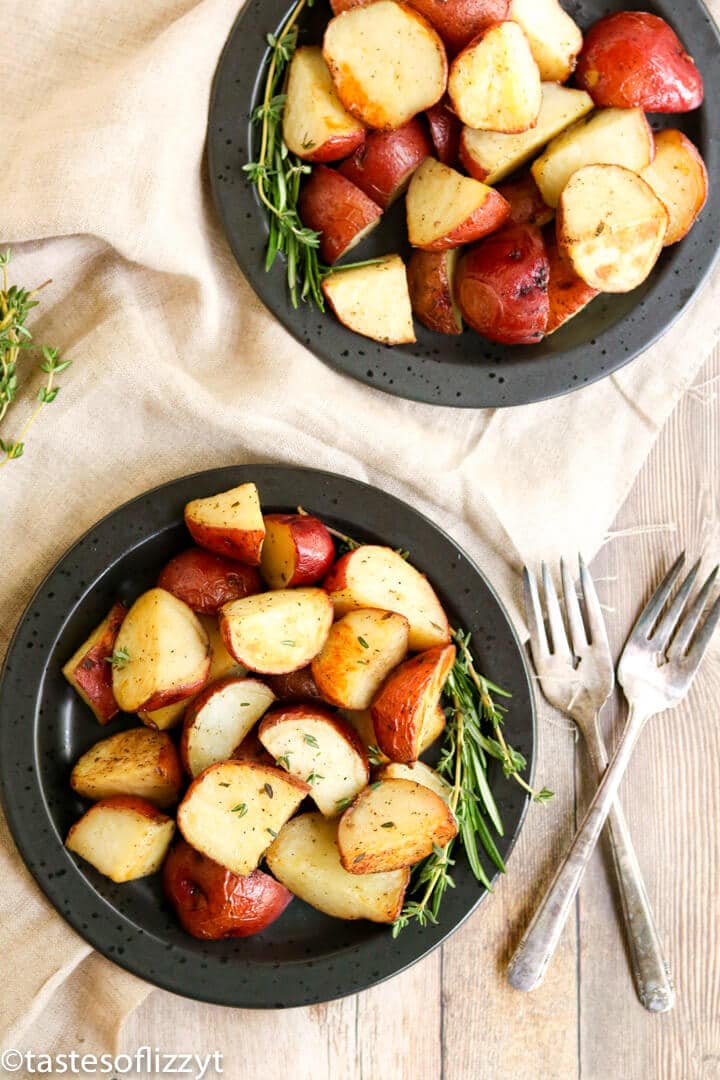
465 370
305 957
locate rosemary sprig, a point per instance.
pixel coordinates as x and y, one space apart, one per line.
16 340
277 175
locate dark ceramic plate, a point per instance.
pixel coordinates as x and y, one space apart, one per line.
465 370
305 957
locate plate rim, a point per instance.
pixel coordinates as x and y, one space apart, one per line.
44 879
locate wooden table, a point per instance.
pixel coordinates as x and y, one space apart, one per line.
453 1016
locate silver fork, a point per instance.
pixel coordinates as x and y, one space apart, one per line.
656 674
578 681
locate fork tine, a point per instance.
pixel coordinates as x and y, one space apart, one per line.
670 619
560 646
533 612
657 601
593 611
682 639
572 610
702 641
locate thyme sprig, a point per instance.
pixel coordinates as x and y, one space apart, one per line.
277 175
16 340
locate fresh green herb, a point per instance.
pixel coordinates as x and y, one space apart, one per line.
284 760
310 740
463 763
119 659
363 642
375 755
290 644
272 832
375 785
342 804
388 825
267 788
241 809
313 777
15 342
403 553
223 783
244 704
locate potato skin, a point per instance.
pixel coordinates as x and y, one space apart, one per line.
206 581
91 674
399 709
280 714
633 59
458 21
501 286
335 207
445 131
486 219
527 206
296 687
383 164
567 293
314 547
431 291
214 903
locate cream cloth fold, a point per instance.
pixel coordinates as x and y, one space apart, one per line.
178 367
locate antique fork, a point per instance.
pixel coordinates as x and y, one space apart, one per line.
656 674
578 681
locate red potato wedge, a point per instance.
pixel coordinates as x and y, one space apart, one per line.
251 749
305 858
205 581
88 670
679 178
277 632
527 206
383 165
555 39
386 61
446 209
378 577
219 719
633 59
315 745
459 21
411 694
298 550
296 687
501 286
419 773
392 824
431 281
135 762
362 721
229 523
490 156
336 208
316 125
124 837
611 226
165 653
213 903
373 301
494 83
233 811
609 137
361 650
445 131
567 293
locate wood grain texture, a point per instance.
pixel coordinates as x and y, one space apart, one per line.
454 1016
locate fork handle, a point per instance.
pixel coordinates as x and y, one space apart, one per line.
532 956
650 969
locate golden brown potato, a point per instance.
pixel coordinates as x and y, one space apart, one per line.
494 83
373 301
679 178
445 208
277 632
409 696
316 126
229 523
361 650
88 670
554 38
135 762
431 280
124 837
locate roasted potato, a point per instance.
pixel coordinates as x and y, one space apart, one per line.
374 576
445 131
383 164
431 281
387 63
295 687
567 293
501 285
298 550
459 21
205 581
306 859
277 632
527 206
393 823
214 903
554 38
361 650
124 837
136 762
373 301
679 178
419 773
337 209
218 720
445 208
234 810
316 126
315 745
229 523
88 670
611 226
494 83
410 695
632 59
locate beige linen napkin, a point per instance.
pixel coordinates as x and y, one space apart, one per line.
177 367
